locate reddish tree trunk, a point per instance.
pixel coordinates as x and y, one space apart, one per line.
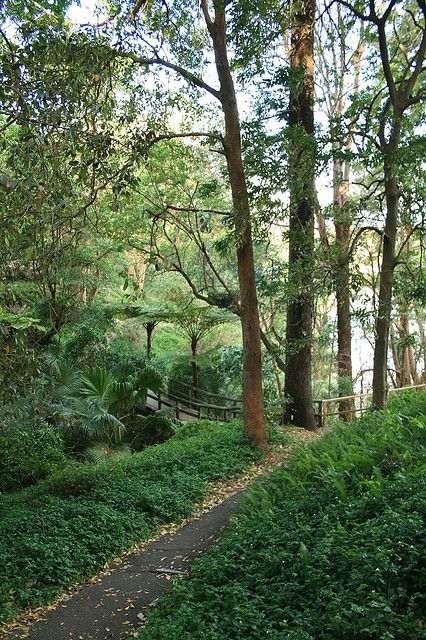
253 410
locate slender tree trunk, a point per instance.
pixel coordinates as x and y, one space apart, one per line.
194 365
344 330
413 365
342 227
386 285
253 410
405 357
395 356
149 327
299 329
422 334
342 224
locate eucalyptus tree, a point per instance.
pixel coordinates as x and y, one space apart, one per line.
340 45
180 39
399 32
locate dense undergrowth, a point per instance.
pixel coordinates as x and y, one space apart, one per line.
65 527
332 548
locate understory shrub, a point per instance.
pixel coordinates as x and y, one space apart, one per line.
64 528
30 449
332 548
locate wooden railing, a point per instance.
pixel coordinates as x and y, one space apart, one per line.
361 402
188 407
184 408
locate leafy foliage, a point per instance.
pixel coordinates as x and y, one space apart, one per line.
29 451
64 529
331 548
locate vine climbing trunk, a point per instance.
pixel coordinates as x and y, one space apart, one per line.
299 329
253 409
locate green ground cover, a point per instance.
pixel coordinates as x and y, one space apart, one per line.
332 548
64 528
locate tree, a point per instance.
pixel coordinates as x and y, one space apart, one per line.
401 39
299 327
195 324
339 70
216 26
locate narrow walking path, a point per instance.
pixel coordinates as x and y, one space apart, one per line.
113 606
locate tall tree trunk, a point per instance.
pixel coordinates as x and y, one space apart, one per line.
253 409
194 366
386 283
342 224
299 329
344 330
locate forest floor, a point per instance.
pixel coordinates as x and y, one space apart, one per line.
112 605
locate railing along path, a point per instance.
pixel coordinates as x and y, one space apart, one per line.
189 404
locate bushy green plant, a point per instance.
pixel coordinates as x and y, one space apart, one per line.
84 339
152 429
65 528
100 403
331 548
30 449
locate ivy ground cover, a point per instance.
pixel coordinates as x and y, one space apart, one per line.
64 529
332 548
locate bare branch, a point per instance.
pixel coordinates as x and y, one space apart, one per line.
188 75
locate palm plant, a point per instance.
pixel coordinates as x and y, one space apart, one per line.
98 401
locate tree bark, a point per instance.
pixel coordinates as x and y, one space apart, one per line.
253 409
194 366
344 330
299 330
395 356
386 284
149 327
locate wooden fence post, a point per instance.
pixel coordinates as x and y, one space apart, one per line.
323 413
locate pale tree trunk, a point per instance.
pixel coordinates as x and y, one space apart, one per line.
395 356
344 330
405 356
342 225
421 326
408 362
299 329
253 410
137 269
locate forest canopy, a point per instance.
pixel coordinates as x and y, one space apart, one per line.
247 162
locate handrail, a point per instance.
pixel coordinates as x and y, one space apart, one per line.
196 408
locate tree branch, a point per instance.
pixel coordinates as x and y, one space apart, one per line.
188 75
358 235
